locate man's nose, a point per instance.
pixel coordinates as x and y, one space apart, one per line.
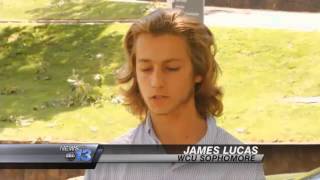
157 79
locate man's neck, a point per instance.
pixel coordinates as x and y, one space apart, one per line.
184 126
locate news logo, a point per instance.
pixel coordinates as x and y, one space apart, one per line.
83 154
70 156
74 152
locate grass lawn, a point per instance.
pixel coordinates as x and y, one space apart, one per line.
260 68
70 9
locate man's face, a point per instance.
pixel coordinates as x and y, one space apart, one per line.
164 72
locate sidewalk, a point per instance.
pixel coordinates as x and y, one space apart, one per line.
301 21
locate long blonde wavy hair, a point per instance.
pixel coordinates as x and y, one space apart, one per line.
201 43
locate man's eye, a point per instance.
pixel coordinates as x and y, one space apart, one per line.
146 69
173 68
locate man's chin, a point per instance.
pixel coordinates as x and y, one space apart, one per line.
160 112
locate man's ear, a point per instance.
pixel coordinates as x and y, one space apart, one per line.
198 79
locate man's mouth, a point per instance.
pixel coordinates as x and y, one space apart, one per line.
155 97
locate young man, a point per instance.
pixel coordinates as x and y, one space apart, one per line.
172 74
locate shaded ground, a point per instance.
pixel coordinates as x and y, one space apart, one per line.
35 63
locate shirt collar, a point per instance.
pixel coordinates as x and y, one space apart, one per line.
208 138
149 129
210 135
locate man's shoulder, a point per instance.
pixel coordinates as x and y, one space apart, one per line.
130 137
224 137
218 135
127 138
